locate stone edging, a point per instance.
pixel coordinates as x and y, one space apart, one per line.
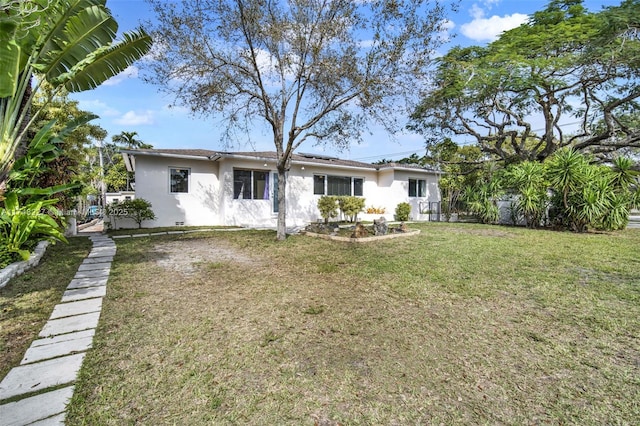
17 268
365 239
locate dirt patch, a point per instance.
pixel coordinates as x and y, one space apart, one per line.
187 256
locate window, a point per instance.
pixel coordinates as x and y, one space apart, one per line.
337 185
358 183
250 185
318 184
417 188
179 180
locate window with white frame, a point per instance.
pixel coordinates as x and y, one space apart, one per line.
417 188
337 185
250 184
179 180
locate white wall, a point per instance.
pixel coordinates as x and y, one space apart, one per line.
200 206
210 198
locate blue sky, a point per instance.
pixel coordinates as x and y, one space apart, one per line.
125 103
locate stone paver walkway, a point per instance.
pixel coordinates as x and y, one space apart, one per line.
39 389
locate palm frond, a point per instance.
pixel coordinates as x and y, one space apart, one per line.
109 61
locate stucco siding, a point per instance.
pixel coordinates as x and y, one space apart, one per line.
199 206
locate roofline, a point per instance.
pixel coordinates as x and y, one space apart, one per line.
129 157
167 155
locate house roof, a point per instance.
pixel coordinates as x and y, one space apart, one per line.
300 158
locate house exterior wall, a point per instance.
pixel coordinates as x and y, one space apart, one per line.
199 206
210 200
399 192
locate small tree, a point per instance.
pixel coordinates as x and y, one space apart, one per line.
328 207
309 71
351 206
138 210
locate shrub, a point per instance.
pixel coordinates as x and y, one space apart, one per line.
403 210
138 209
328 207
350 207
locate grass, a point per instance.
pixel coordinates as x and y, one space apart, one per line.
135 231
463 323
26 302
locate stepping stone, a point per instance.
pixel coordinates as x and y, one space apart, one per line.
96 273
84 293
93 266
70 324
51 421
87 282
63 338
42 375
102 253
98 259
39 407
54 350
139 235
76 308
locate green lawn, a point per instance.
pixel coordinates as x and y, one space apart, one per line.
27 301
463 323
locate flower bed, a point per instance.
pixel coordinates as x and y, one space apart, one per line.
17 268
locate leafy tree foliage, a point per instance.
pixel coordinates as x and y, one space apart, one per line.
308 70
564 56
68 44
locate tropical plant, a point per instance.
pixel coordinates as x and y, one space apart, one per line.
328 207
528 185
21 224
481 200
67 43
403 211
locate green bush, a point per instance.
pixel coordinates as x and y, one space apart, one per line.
403 210
351 206
138 209
328 207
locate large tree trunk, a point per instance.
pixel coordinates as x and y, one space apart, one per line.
282 203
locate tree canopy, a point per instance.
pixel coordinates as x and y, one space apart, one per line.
565 64
70 44
307 70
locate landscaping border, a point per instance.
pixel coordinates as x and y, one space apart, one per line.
363 239
18 268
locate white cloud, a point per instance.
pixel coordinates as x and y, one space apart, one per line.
488 29
130 72
133 118
98 107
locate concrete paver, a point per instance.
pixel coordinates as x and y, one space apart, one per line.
42 375
35 408
98 259
92 266
70 324
86 282
55 358
41 353
63 338
96 273
51 421
84 293
76 308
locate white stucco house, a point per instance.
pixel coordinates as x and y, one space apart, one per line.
194 187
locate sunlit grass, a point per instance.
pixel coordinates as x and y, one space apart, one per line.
461 324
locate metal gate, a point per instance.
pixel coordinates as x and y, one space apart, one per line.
432 208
